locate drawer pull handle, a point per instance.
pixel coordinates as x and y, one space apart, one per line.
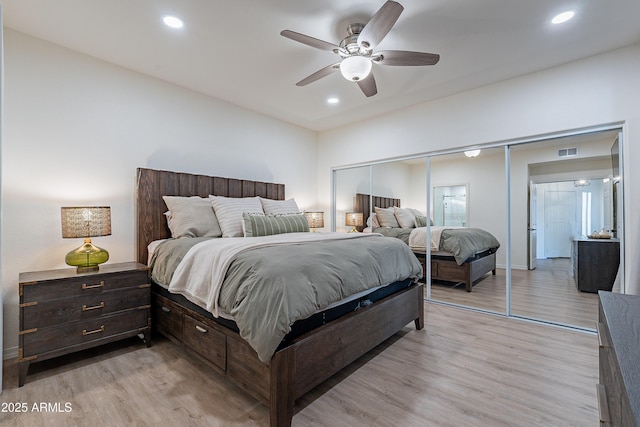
201 329
85 332
602 338
99 285
93 307
166 309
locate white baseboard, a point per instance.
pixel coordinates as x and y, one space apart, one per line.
10 353
513 267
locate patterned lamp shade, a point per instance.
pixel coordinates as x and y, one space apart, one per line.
354 219
86 222
315 219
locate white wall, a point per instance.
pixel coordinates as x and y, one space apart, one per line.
595 91
76 129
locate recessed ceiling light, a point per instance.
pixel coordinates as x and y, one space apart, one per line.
332 100
562 17
173 22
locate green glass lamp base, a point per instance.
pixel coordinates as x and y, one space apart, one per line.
87 257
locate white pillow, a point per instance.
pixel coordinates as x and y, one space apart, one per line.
191 217
416 212
277 207
386 217
406 218
372 221
229 212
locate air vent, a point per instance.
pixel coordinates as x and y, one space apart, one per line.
568 152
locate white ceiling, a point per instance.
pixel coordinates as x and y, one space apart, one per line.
232 50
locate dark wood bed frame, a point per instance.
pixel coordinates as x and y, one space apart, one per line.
307 360
443 264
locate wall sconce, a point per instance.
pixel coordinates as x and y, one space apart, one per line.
86 222
354 219
315 219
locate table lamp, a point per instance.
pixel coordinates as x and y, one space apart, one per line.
354 219
315 219
86 222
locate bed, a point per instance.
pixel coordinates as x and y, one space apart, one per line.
302 361
444 265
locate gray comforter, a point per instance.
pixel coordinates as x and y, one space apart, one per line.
398 233
464 243
461 242
267 289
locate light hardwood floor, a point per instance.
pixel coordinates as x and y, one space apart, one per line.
547 293
464 369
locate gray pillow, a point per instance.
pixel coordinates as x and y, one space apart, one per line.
191 217
275 207
267 225
421 221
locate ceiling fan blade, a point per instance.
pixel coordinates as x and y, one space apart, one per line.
368 85
404 57
380 24
310 41
322 72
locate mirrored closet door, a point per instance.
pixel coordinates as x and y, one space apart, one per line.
552 206
468 194
565 243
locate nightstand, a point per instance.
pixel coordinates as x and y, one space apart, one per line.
62 311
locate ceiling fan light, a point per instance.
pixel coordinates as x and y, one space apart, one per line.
355 68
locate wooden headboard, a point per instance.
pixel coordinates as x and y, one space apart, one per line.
365 204
151 185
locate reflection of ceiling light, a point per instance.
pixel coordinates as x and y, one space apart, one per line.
355 68
581 183
173 22
562 17
333 100
472 153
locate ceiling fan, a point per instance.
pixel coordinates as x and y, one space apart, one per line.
357 50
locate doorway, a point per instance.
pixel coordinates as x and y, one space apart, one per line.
559 221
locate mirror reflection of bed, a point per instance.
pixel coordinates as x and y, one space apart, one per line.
459 255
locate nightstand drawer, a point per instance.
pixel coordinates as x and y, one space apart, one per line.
40 314
60 337
82 285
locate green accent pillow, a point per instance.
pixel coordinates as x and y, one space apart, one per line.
421 221
267 225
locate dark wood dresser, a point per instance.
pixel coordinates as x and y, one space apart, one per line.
619 357
62 311
595 263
